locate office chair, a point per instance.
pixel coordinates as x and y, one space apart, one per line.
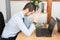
58 24
2 23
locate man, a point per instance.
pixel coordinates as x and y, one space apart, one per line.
16 23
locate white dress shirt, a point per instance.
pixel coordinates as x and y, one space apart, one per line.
15 25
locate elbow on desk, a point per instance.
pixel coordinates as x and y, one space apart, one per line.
28 34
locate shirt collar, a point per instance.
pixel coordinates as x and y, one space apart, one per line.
22 15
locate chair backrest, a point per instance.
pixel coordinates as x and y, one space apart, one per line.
58 20
2 23
51 25
58 24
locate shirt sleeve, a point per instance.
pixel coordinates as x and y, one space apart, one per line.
24 29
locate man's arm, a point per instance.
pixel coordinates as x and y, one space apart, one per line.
24 29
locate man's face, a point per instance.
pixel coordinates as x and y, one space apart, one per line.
30 13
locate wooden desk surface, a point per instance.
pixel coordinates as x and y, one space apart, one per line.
55 36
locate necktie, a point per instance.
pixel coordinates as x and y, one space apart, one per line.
23 19
26 22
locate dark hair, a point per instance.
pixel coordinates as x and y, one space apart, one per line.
31 6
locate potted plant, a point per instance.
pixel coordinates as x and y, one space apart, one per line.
38 25
36 2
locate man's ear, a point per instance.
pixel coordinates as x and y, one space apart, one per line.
27 10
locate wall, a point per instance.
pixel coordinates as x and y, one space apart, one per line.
17 6
56 9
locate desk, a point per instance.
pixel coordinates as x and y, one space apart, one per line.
55 36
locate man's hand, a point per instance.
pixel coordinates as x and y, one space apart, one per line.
36 17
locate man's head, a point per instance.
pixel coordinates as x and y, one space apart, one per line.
29 8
